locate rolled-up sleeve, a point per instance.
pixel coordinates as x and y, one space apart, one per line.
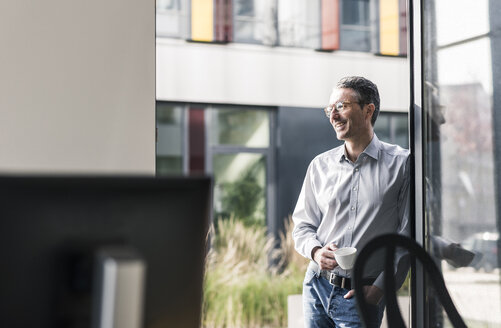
306 217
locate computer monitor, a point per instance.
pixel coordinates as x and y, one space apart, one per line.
52 227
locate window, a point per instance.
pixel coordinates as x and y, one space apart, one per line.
172 18
255 21
355 25
240 158
171 139
299 23
393 128
232 143
243 128
382 127
240 186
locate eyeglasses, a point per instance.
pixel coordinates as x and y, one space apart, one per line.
340 106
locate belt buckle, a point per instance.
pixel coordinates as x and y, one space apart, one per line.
332 276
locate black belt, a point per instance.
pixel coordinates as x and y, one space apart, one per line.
342 282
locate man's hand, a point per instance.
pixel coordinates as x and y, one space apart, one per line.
325 257
372 294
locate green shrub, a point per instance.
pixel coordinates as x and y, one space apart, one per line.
245 197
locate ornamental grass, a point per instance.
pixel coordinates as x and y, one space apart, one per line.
249 276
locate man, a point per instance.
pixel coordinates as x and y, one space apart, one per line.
350 195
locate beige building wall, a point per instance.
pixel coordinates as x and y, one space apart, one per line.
77 86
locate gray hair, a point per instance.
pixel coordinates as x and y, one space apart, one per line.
366 90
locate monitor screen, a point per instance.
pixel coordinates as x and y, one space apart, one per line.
51 228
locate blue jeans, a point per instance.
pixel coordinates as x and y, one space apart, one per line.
324 305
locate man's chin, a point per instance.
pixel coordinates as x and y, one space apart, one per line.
340 136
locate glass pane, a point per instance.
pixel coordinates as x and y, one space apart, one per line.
168 5
393 128
401 130
170 125
240 181
248 128
382 127
452 28
255 21
355 39
244 30
462 152
244 7
169 165
355 12
355 25
172 18
299 23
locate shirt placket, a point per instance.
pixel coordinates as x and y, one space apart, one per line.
355 179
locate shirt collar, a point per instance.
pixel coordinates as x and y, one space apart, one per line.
341 153
371 150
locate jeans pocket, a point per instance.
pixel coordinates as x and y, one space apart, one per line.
309 276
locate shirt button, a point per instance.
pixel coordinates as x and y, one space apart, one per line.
349 228
356 170
354 188
353 208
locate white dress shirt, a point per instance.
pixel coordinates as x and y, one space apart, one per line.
349 204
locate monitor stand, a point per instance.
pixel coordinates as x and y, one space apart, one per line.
118 288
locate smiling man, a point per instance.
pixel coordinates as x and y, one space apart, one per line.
350 195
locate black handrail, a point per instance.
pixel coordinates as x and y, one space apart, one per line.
394 316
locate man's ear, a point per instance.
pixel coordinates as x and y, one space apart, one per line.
370 110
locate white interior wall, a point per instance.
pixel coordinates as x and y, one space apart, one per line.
257 75
77 86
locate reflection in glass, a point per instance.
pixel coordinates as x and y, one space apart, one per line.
240 181
247 128
170 120
460 172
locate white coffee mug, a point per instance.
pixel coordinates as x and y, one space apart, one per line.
345 257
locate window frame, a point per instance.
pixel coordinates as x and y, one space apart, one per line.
269 154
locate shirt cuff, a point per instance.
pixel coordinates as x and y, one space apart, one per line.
312 243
